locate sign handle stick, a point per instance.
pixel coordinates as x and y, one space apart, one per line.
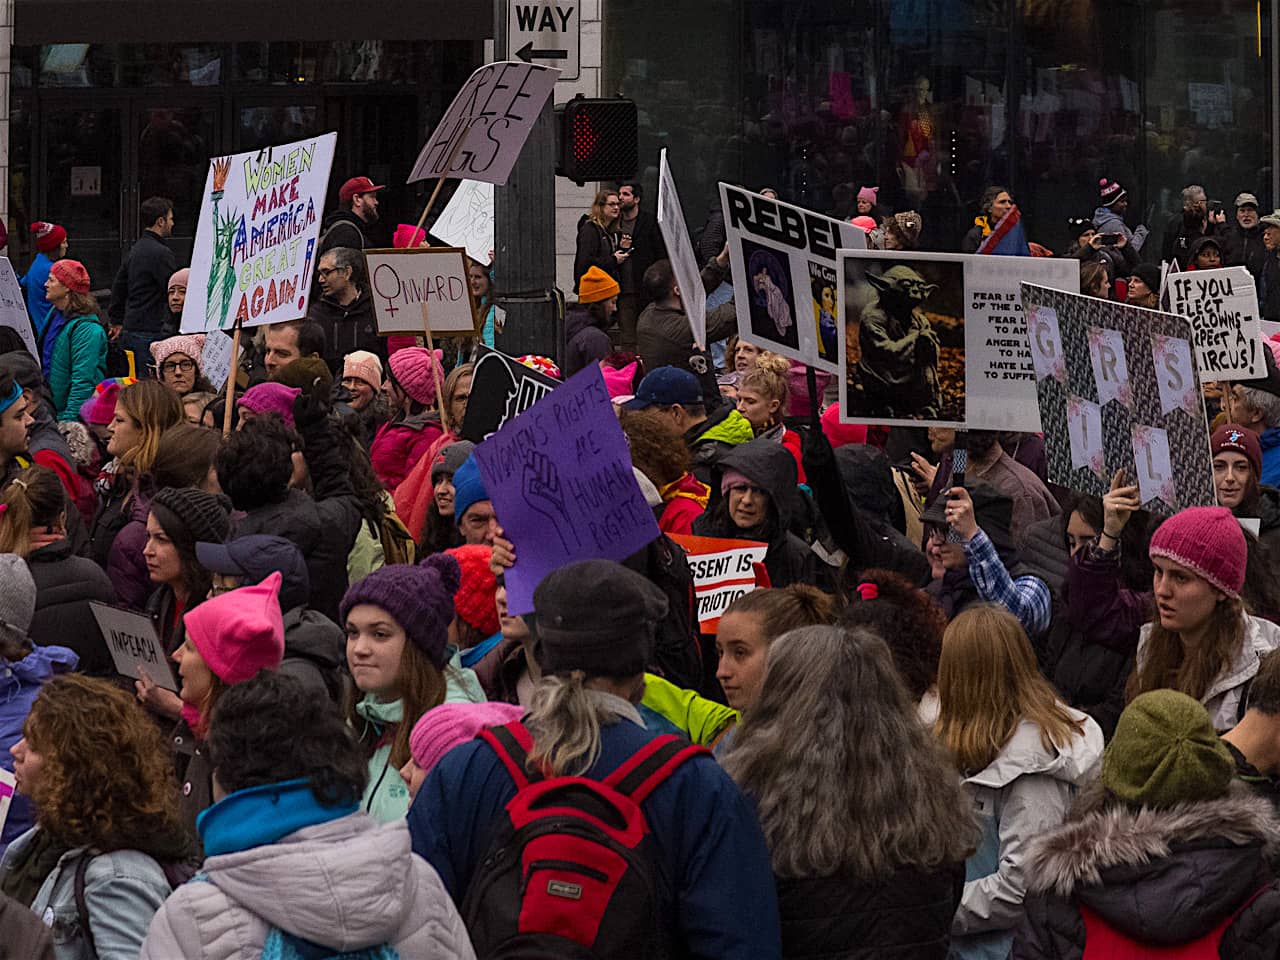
231 380
440 180
811 381
435 368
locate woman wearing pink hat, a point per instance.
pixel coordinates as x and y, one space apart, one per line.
176 362
411 385
1202 642
74 346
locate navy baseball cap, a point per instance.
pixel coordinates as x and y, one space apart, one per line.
665 386
256 557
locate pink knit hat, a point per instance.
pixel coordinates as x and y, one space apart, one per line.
101 407
192 344
180 278
363 365
270 397
449 725
411 369
868 193
240 632
1208 541
864 223
407 235
839 433
732 478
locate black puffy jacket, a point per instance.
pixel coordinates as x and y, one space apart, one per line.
65 584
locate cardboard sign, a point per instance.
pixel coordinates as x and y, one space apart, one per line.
938 339
501 388
722 572
1118 387
401 282
132 640
1222 306
774 247
684 262
216 360
559 475
255 246
495 110
13 307
8 787
467 220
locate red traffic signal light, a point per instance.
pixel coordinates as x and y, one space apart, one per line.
599 139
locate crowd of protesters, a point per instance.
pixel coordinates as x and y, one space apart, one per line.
959 715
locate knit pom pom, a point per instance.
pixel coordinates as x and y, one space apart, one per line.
447 569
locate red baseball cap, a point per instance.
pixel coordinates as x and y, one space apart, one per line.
357 185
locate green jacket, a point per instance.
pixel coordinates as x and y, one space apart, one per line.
703 720
79 364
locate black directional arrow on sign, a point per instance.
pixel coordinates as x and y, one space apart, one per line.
528 54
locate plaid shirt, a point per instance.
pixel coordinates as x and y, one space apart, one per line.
1027 598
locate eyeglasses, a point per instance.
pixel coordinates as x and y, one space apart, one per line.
749 488
326 273
175 366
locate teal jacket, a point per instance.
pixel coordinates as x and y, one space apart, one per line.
79 364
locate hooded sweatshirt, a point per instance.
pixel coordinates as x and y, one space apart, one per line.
585 340
1023 792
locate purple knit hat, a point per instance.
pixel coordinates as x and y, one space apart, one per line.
1208 541
419 598
270 398
442 728
411 368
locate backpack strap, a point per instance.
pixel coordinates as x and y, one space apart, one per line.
651 765
82 906
512 744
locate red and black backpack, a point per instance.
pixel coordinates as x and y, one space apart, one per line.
571 872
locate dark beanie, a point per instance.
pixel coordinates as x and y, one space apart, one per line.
419 598
205 516
303 374
598 617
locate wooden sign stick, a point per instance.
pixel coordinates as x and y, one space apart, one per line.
435 368
231 380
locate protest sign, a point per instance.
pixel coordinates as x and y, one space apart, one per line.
401 282
1118 388
255 245
13 307
774 248
8 787
1226 326
559 475
132 640
216 360
501 387
938 339
492 116
722 571
684 262
467 220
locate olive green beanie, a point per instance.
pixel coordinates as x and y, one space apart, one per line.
1164 752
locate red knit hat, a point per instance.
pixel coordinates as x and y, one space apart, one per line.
240 632
476 598
1209 542
72 275
49 236
1232 436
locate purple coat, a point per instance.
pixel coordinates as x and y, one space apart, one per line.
125 564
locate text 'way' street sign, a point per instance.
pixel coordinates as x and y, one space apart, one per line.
546 33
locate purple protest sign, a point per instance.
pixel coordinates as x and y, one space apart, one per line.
560 479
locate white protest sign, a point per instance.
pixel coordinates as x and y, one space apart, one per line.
723 570
684 263
1222 306
467 220
13 307
256 239
132 640
784 275
401 282
495 110
939 339
8 787
215 360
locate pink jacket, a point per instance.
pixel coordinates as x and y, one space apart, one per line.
399 445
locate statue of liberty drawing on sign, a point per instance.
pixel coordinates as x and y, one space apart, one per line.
222 275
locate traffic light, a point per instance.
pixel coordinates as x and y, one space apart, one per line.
599 139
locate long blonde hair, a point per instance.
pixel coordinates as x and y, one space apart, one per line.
844 777
988 683
1167 663
565 724
597 215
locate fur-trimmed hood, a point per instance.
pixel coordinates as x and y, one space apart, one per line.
1160 876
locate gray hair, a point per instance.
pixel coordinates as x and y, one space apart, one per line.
351 258
1190 194
1259 401
844 776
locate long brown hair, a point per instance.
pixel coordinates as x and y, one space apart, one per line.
34 498
785 608
843 776
155 408
420 686
81 305
1168 663
988 683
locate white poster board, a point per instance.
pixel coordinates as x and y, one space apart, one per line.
402 281
1222 306
467 220
494 111
133 643
684 262
971 332
254 253
723 570
8 787
785 279
215 360
13 307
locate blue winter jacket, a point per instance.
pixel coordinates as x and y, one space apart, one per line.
705 832
1269 440
33 282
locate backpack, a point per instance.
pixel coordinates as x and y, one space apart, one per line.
570 873
285 946
176 872
398 545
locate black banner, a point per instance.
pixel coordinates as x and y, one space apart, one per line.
501 387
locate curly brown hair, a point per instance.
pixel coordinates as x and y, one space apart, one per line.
909 620
657 448
107 780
